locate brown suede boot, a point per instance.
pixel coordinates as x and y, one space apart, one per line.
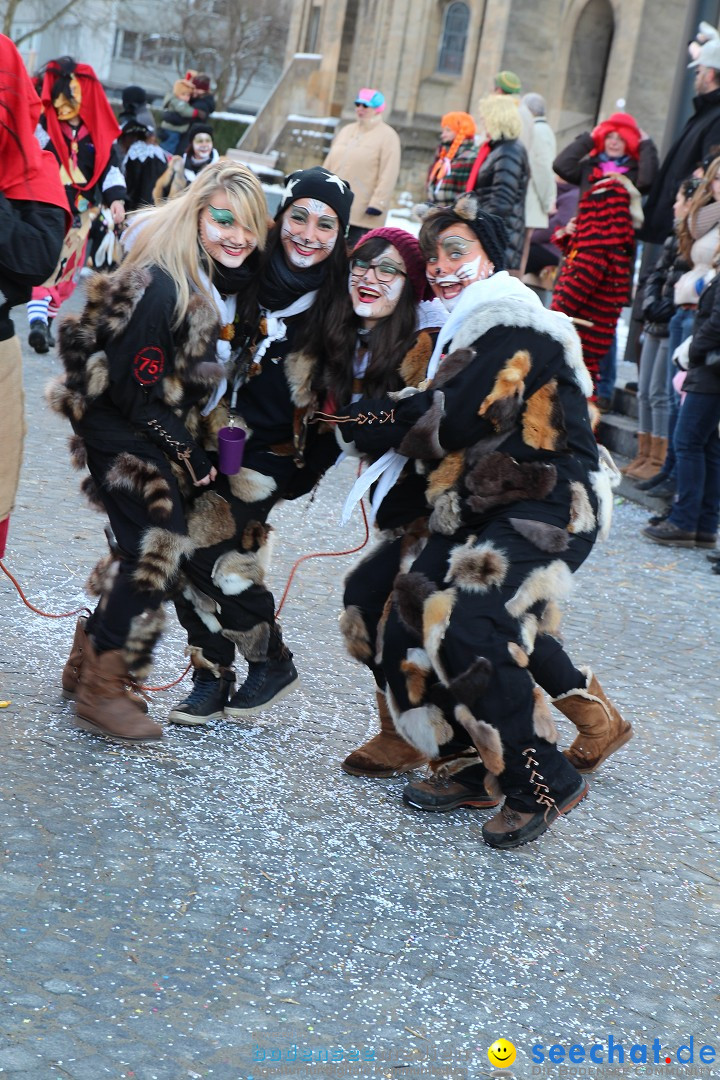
73 666
102 704
656 460
642 456
601 728
386 754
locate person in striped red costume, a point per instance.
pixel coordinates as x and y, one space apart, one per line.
599 244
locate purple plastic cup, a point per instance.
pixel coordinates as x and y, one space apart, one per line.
231 445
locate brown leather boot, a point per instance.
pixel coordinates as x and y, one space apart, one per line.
73 666
642 456
102 704
601 728
386 754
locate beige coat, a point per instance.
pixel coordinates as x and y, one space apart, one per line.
542 189
12 429
367 155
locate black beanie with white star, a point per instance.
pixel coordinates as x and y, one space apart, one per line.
318 183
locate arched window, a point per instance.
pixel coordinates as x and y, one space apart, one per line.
453 39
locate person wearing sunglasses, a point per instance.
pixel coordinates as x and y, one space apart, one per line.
367 154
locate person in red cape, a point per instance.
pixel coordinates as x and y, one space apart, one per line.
79 127
33 218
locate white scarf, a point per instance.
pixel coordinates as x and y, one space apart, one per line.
226 308
387 469
276 330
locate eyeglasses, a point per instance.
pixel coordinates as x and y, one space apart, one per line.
363 104
384 271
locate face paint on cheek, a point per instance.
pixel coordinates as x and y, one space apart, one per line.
213 233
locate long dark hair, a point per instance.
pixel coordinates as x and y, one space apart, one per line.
326 331
388 342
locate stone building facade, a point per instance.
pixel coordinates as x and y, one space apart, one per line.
433 56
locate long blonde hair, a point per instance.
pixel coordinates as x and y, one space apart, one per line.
702 197
168 236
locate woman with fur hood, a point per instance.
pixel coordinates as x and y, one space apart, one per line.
141 361
298 312
501 434
499 176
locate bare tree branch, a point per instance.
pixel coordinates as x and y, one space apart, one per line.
10 15
232 41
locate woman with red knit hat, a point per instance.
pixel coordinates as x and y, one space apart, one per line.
454 159
616 145
396 327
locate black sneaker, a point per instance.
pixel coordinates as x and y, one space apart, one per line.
206 701
512 828
268 681
39 337
441 793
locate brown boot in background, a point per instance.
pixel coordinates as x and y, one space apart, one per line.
386 754
102 704
73 666
642 456
601 728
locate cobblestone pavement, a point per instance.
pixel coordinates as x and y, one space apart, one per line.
200 908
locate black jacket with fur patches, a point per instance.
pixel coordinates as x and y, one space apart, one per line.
504 428
129 374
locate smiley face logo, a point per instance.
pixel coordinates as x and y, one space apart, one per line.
502 1053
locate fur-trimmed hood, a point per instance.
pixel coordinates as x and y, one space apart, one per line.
511 311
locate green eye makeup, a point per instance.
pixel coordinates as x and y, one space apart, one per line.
221 217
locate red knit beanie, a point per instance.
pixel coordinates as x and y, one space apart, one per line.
626 127
412 256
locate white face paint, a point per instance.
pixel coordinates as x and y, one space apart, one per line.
224 238
373 298
202 147
308 233
460 260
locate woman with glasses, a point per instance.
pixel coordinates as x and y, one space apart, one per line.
395 329
296 316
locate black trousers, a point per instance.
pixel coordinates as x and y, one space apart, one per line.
479 625
150 549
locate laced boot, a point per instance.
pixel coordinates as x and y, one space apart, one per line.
511 828
207 699
387 753
642 456
102 705
73 666
450 785
601 728
268 681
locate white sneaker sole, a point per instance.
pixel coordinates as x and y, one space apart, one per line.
236 713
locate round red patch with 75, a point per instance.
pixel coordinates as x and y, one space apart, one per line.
149 365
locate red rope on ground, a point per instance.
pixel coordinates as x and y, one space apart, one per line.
26 602
168 686
324 555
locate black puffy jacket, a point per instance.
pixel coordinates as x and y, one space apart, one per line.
703 375
501 186
658 302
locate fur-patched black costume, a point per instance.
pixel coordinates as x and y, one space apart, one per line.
132 388
503 439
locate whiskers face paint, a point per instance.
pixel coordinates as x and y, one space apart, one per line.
375 286
308 233
460 260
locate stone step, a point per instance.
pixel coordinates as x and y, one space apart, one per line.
625 402
619 434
